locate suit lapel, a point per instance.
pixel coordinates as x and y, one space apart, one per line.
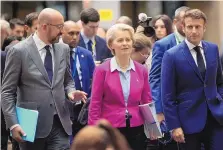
190 59
133 82
56 62
35 56
207 59
116 82
82 44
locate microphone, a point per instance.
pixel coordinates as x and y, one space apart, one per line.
142 17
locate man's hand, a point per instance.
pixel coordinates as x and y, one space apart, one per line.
77 95
160 117
178 135
17 134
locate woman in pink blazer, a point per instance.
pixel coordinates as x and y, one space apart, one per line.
119 86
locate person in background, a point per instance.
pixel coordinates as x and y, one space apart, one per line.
9 41
142 48
114 94
102 136
17 27
162 25
82 68
101 33
5 32
124 20
192 88
159 48
88 39
31 22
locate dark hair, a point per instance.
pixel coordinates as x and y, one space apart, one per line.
15 21
195 14
30 17
9 40
167 22
89 15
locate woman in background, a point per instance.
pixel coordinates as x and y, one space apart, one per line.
162 25
119 86
142 49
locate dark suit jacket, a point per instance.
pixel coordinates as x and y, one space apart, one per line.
159 48
102 51
186 96
25 70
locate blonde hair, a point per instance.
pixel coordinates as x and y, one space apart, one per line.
110 35
141 42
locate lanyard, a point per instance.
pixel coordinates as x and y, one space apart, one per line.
74 64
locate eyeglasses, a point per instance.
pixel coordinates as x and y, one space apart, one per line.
58 26
144 55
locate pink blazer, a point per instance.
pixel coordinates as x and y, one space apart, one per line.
107 100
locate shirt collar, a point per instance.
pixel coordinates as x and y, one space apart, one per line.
85 38
39 43
191 46
114 66
179 36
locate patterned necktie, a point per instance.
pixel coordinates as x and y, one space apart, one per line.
90 46
200 62
48 63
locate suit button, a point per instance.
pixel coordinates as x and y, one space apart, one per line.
205 85
51 105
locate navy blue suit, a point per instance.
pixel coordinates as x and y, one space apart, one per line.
102 51
189 101
159 48
87 66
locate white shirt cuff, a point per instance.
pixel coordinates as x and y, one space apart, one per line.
12 127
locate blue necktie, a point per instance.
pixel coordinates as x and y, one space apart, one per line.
48 63
90 46
200 62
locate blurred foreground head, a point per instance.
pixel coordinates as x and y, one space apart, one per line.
100 137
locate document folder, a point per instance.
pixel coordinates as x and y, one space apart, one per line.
27 119
151 124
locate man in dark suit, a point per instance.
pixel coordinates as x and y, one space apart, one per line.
82 68
39 67
88 39
192 88
159 48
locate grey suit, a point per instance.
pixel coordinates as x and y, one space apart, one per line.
25 70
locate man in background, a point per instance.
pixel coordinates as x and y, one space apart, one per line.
31 22
17 27
88 39
82 68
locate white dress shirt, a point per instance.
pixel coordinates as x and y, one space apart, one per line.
41 48
194 53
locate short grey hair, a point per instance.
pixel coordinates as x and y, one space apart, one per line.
5 25
110 35
180 9
125 20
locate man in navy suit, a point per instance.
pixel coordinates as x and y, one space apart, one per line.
192 88
159 49
88 39
82 67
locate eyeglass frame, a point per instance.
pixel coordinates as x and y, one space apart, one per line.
58 26
145 56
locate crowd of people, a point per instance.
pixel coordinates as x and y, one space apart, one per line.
87 83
